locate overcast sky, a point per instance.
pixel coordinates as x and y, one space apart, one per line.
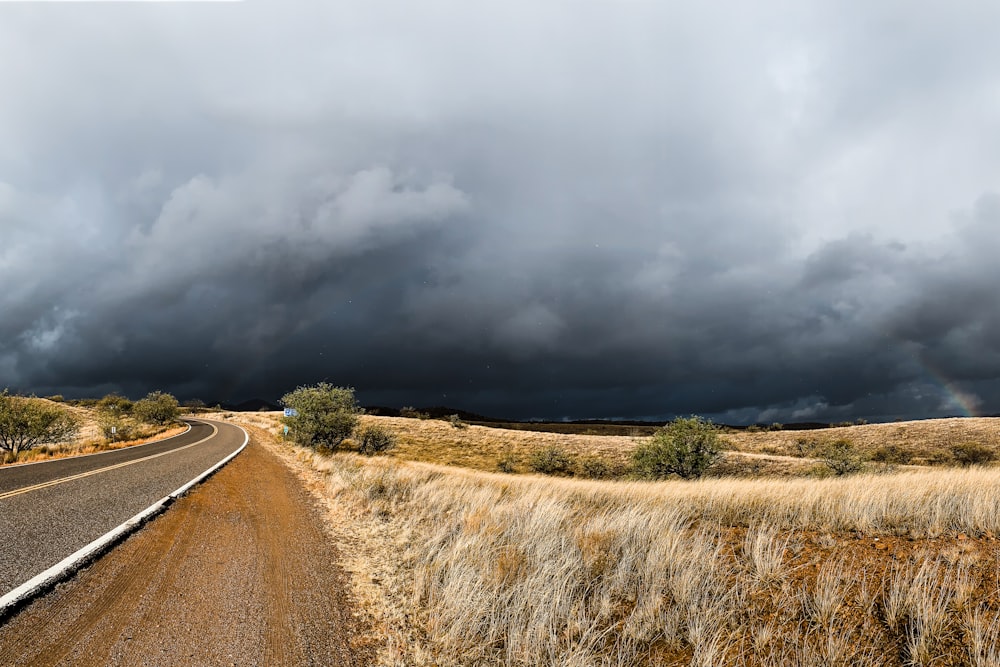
767 211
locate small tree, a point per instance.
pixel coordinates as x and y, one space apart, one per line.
157 408
841 457
375 439
26 423
326 415
684 447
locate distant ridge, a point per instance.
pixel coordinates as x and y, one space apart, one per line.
252 405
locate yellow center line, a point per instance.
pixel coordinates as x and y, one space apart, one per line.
61 480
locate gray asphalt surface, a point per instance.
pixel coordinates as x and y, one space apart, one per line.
16 477
41 527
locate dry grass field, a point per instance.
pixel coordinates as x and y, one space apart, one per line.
460 566
922 442
761 454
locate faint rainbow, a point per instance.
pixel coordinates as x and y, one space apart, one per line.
967 402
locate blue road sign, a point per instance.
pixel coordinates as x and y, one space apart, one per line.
291 412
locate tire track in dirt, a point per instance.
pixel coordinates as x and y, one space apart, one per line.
238 572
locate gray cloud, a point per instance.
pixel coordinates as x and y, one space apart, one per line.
570 209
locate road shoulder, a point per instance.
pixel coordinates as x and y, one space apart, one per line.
239 571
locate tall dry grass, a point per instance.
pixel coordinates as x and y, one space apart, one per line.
526 571
477 568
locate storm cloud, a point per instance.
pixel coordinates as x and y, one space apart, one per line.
558 210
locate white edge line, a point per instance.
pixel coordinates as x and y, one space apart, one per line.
74 562
107 451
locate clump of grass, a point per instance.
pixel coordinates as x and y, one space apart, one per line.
764 551
983 639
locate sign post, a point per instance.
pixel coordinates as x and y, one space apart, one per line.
290 412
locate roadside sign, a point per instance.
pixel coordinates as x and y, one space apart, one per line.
291 412
286 430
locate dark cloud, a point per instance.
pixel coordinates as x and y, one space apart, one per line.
568 210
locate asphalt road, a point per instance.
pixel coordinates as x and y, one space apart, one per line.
50 510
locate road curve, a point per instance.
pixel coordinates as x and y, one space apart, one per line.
50 510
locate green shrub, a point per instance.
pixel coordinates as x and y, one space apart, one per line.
157 408
805 447
115 427
595 467
551 460
507 462
457 422
972 453
891 454
374 439
412 413
940 457
684 447
115 405
840 457
326 415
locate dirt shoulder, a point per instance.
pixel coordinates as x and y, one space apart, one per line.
238 572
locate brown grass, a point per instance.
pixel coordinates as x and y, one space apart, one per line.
926 441
764 454
463 567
